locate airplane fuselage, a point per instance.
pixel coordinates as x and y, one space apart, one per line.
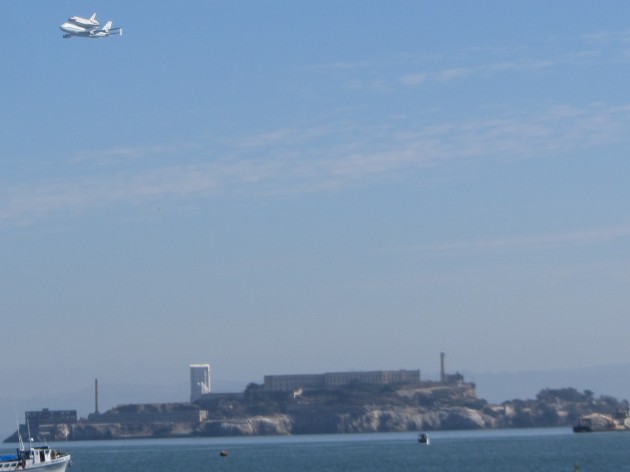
73 28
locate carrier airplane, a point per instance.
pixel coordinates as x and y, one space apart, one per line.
87 28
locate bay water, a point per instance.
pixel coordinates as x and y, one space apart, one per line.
496 450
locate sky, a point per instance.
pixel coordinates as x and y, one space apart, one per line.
278 187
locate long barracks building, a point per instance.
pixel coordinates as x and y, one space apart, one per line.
287 383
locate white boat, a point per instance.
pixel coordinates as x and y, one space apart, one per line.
423 438
40 458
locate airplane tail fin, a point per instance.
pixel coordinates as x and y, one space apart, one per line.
107 27
93 17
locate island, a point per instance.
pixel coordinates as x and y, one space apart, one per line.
355 407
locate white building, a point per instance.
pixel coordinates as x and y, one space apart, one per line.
199 381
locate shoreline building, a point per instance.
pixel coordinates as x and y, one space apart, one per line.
43 424
199 381
331 380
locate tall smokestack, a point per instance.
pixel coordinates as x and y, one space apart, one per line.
442 368
96 396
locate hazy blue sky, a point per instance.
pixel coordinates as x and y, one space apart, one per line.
308 186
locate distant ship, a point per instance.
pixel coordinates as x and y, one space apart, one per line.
596 422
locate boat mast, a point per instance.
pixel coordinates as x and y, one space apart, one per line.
30 439
19 435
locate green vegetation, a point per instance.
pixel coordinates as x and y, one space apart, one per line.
561 407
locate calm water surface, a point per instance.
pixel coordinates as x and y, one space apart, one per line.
512 450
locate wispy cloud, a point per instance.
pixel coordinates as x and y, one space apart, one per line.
340 152
477 71
414 79
582 237
315 159
482 63
115 155
475 63
607 37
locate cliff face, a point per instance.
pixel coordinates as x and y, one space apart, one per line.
399 419
96 431
254 426
93 431
315 420
362 420
350 410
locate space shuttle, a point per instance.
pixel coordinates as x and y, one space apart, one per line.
89 23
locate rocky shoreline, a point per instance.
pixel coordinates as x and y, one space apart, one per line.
398 411
369 421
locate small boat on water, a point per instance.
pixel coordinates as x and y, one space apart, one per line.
40 458
596 422
423 438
